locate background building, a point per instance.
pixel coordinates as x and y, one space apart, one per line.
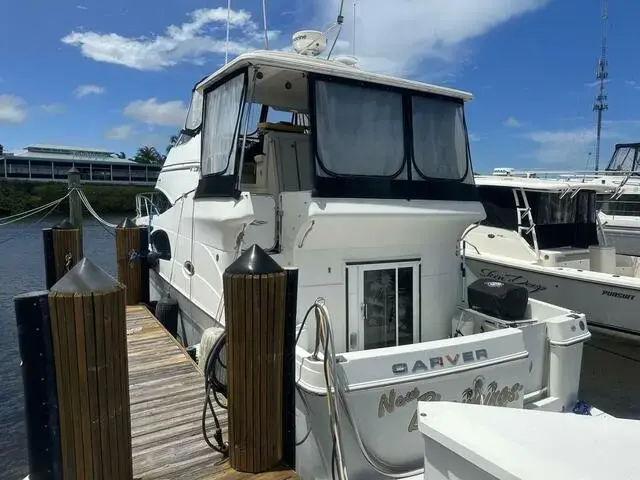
50 163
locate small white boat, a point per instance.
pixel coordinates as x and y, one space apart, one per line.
619 208
482 442
617 195
366 189
543 234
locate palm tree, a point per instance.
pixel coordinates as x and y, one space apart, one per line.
148 155
172 143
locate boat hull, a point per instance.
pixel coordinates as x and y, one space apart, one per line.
606 306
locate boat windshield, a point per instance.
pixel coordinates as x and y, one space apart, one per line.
194 118
626 158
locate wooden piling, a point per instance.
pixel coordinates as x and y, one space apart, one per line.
62 250
75 202
40 393
288 369
132 246
254 298
88 324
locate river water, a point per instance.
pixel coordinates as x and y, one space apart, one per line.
608 374
21 271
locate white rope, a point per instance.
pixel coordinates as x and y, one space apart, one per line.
57 202
95 215
21 216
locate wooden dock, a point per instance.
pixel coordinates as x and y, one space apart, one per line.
167 395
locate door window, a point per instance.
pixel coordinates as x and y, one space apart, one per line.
387 296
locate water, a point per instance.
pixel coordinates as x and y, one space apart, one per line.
607 378
21 271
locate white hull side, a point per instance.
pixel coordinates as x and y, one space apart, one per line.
606 306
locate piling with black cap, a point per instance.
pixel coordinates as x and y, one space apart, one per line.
62 250
39 381
288 368
254 299
132 246
88 325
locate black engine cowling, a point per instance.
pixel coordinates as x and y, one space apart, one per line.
498 299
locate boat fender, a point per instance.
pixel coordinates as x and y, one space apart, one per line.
167 310
209 338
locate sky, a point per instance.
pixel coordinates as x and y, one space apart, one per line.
118 74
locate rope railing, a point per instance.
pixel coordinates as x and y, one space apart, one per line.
91 210
17 217
53 206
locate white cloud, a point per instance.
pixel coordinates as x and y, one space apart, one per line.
12 109
512 122
149 111
563 147
474 137
53 108
396 36
204 33
84 90
633 83
596 83
121 132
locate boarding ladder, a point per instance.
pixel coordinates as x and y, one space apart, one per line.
526 225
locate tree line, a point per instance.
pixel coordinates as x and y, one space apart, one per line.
150 155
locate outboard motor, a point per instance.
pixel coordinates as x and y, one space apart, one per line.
498 299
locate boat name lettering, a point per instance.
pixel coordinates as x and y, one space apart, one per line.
512 279
440 361
477 393
625 296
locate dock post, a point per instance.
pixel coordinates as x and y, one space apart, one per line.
40 393
75 202
132 245
288 369
88 324
62 250
254 299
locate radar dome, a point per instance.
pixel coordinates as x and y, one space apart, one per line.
309 42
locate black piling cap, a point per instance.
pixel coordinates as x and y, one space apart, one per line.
127 223
85 277
254 262
64 225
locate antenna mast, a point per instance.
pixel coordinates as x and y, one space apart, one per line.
226 48
601 76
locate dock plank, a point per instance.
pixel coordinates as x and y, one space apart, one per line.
166 389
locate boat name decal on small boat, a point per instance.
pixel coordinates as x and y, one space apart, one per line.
440 361
477 394
513 279
624 296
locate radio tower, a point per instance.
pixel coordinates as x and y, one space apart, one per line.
601 76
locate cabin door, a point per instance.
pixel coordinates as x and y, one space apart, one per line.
384 307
